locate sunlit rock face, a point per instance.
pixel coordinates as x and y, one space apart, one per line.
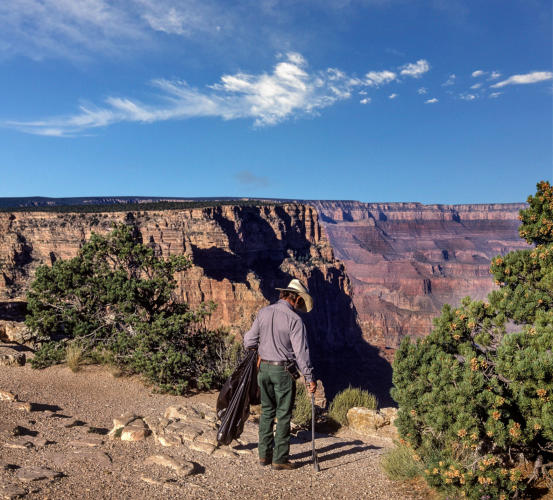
240 255
405 260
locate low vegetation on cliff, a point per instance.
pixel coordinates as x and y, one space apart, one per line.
476 395
114 303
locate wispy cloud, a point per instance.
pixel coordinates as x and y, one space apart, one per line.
476 86
477 73
422 91
450 80
290 90
66 28
431 101
527 78
249 178
377 78
467 97
495 95
494 75
392 96
415 70
267 98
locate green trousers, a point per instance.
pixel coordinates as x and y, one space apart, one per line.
278 391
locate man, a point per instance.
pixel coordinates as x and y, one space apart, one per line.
279 335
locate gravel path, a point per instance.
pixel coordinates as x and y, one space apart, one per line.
66 406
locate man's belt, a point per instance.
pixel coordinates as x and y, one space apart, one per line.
275 363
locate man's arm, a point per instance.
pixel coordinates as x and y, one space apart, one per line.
298 338
251 337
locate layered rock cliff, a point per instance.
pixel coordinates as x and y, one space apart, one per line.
240 255
405 260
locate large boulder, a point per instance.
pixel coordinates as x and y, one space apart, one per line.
373 423
11 357
15 331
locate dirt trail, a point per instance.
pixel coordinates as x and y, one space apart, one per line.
67 405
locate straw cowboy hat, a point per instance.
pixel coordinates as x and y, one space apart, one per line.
296 286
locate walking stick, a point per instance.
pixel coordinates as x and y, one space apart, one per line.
314 451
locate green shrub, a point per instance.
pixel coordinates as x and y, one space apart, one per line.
475 397
49 353
115 300
347 399
301 414
401 463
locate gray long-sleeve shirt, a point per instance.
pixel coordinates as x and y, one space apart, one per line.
279 335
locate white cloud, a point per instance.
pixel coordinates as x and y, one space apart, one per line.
478 73
494 75
366 100
495 95
267 98
392 96
467 97
362 92
415 70
431 101
534 77
450 80
476 86
422 91
376 78
67 28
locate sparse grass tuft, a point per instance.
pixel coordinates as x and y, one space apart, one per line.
400 464
74 357
347 399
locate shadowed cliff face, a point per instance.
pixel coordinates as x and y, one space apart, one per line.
405 260
240 255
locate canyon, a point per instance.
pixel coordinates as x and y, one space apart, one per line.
377 271
406 260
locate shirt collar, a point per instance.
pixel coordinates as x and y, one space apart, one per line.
286 303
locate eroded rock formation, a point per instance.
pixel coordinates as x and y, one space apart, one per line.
240 255
405 260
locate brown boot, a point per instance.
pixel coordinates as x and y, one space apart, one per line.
285 466
263 461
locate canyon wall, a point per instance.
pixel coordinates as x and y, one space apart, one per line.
240 255
405 260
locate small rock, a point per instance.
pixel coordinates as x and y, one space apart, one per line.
12 492
124 420
209 437
202 447
28 407
132 433
169 440
224 453
242 451
189 433
12 429
151 480
19 444
7 396
183 413
39 442
28 474
89 442
183 467
11 357
98 457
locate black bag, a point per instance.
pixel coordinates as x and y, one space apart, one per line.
233 403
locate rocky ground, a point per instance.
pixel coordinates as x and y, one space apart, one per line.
55 443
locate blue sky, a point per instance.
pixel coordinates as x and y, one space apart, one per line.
437 101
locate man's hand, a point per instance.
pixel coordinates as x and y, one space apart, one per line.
312 387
